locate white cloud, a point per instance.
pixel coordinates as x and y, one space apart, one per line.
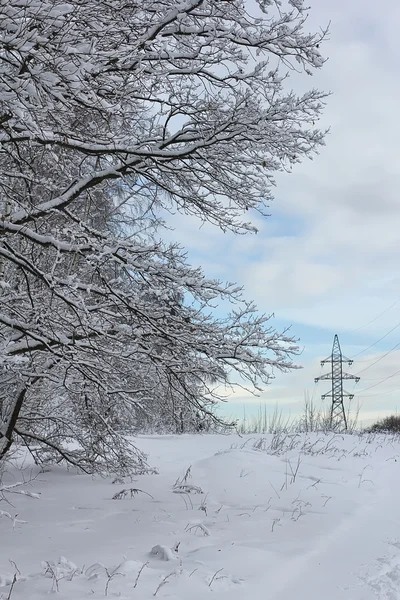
329 255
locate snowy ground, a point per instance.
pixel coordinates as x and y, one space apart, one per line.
302 518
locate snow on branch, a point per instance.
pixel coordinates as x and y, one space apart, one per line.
107 119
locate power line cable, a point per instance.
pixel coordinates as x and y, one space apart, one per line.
377 342
379 381
381 394
375 318
379 359
372 379
375 384
367 360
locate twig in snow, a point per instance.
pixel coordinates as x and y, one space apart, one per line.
314 484
393 458
187 488
276 521
129 491
361 480
14 581
244 473
203 505
214 576
183 479
184 495
164 582
196 526
55 579
139 574
14 520
15 566
110 576
274 490
296 470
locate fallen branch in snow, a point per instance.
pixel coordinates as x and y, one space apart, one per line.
15 488
14 519
197 526
187 489
130 492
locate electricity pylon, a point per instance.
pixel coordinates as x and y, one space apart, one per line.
337 375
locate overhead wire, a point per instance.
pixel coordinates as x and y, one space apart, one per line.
381 394
375 384
379 359
375 318
377 341
379 381
382 380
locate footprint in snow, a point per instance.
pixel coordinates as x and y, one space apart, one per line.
386 583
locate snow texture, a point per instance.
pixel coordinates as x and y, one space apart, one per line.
308 517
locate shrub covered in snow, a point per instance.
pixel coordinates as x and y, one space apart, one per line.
390 424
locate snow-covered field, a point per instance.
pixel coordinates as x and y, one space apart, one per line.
313 517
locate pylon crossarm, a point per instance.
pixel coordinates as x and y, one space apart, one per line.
350 376
324 377
347 361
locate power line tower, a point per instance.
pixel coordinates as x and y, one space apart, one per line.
338 417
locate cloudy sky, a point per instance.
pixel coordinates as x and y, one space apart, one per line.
328 259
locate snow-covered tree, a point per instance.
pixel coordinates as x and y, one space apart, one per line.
109 111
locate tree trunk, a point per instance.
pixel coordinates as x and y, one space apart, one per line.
6 434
